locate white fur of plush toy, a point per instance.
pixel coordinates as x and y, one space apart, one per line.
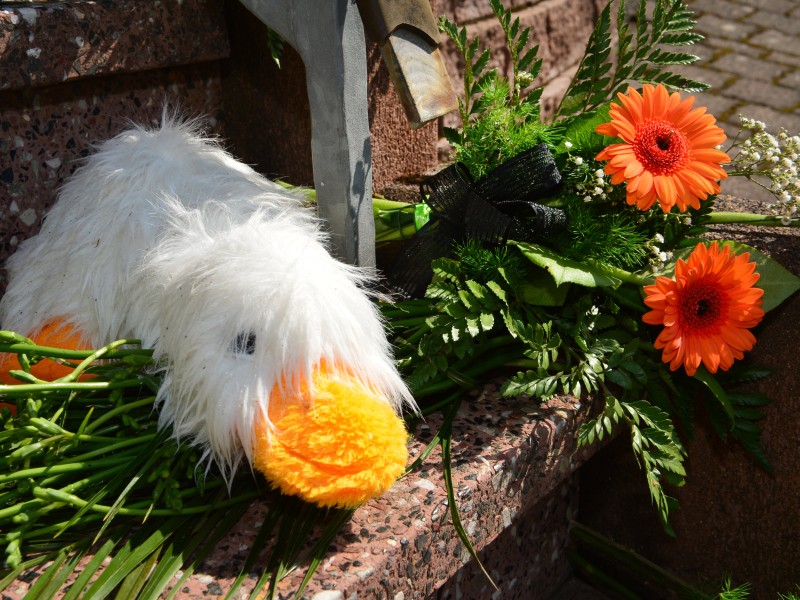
163 236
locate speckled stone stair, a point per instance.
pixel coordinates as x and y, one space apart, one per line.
514 471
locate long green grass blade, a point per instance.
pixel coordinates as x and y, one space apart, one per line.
447 439
131 586
294 529
317 553
76 590
24 566
48 583
131 555
192 546
274 512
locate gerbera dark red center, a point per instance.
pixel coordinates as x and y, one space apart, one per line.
702 306
660 147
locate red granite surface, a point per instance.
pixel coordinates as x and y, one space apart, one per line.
47 43
513 463
74 74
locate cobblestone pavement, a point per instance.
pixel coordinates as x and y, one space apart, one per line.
751 59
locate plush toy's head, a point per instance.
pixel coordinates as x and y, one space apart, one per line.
272 351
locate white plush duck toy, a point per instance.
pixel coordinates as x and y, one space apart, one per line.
271 349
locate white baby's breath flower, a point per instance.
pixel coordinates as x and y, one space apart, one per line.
772 162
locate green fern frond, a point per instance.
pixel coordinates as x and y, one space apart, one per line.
640 56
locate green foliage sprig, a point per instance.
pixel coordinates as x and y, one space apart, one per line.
476 317
498 120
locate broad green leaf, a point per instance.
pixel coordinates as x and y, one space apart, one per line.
719 393
564 270
778 283
539 289
580 131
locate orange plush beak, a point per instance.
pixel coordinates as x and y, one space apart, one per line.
341 448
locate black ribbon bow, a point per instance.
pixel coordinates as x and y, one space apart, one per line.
498 207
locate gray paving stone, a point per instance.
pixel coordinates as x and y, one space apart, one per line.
784 59
759 92
772 20
705 73
731 126
722 8
722 45
741 187
748 66
723 108
777 40
790 79
704 51
712 25
771 5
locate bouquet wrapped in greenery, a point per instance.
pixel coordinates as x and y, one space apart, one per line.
625 299
570 255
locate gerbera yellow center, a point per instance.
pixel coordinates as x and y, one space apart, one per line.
702 306
660 147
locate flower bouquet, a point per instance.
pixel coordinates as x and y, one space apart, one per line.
617 292
569 256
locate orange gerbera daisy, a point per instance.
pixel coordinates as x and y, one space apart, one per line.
706 310
669 152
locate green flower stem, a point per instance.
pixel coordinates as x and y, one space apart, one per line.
728 217
46 533
51 495
622 300
498 359
407 309
112 448
416 336
635 563
124 408
59 386
62 468
96 355
393 235
26 507
48 504
51 352
380 206
54 499
380 203
409 323
28 449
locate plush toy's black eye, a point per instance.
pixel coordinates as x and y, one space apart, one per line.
245 343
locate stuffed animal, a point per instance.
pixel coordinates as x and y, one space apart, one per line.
270 349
